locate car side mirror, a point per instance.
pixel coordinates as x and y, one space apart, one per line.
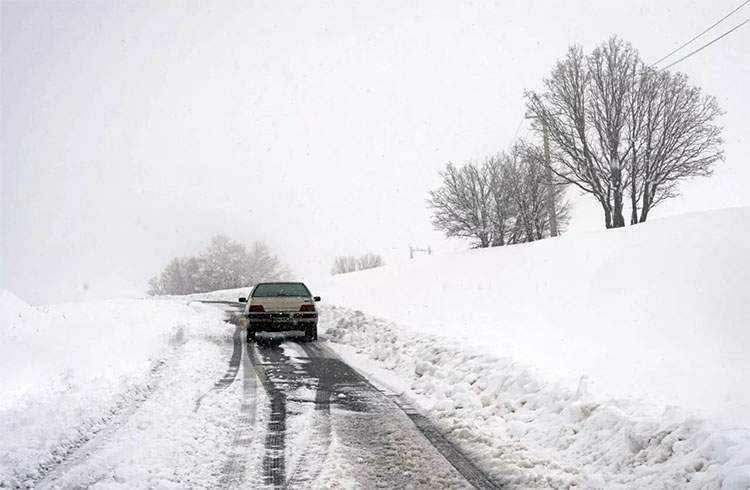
243 300
316 298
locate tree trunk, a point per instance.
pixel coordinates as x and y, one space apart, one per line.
618 220
646 204
607 214
633 202
633 188
551 211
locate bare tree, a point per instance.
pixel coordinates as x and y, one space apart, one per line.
369 261
192 270
674 138
348 263
225 264
502 205
172 280
463 204
344 265
618 127
583 109
528 186
155 286
261 265
501 202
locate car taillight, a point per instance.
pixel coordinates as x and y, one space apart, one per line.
256 309
307 308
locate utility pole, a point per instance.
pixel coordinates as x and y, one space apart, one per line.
551 211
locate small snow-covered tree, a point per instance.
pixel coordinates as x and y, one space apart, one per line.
347 263
155 287
344 265
369 261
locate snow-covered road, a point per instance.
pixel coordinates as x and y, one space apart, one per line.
165 393
218 412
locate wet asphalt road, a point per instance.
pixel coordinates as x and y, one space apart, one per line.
323 424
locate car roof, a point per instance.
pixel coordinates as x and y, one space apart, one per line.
280 282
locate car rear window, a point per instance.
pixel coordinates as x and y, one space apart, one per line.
281 289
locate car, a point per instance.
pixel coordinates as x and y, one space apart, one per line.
281 307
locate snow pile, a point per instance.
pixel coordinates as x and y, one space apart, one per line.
65 369
656 314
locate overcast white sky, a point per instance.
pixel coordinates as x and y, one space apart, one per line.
134 131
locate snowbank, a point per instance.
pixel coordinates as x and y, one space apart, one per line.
65 368
531 433
622 352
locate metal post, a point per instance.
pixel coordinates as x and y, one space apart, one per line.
413 250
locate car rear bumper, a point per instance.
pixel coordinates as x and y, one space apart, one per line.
279 322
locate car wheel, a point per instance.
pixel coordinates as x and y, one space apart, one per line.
311 333
250 335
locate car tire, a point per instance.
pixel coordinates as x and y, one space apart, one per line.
311 333
250 335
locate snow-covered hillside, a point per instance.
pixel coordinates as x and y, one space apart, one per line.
617 359
659 311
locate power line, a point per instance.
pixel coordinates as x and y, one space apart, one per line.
699 35
708 43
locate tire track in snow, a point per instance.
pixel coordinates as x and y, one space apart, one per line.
233 471
234 366
78 451
331 375
274 460
312 461
52 471
455 457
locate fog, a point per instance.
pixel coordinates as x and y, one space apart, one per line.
133 132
